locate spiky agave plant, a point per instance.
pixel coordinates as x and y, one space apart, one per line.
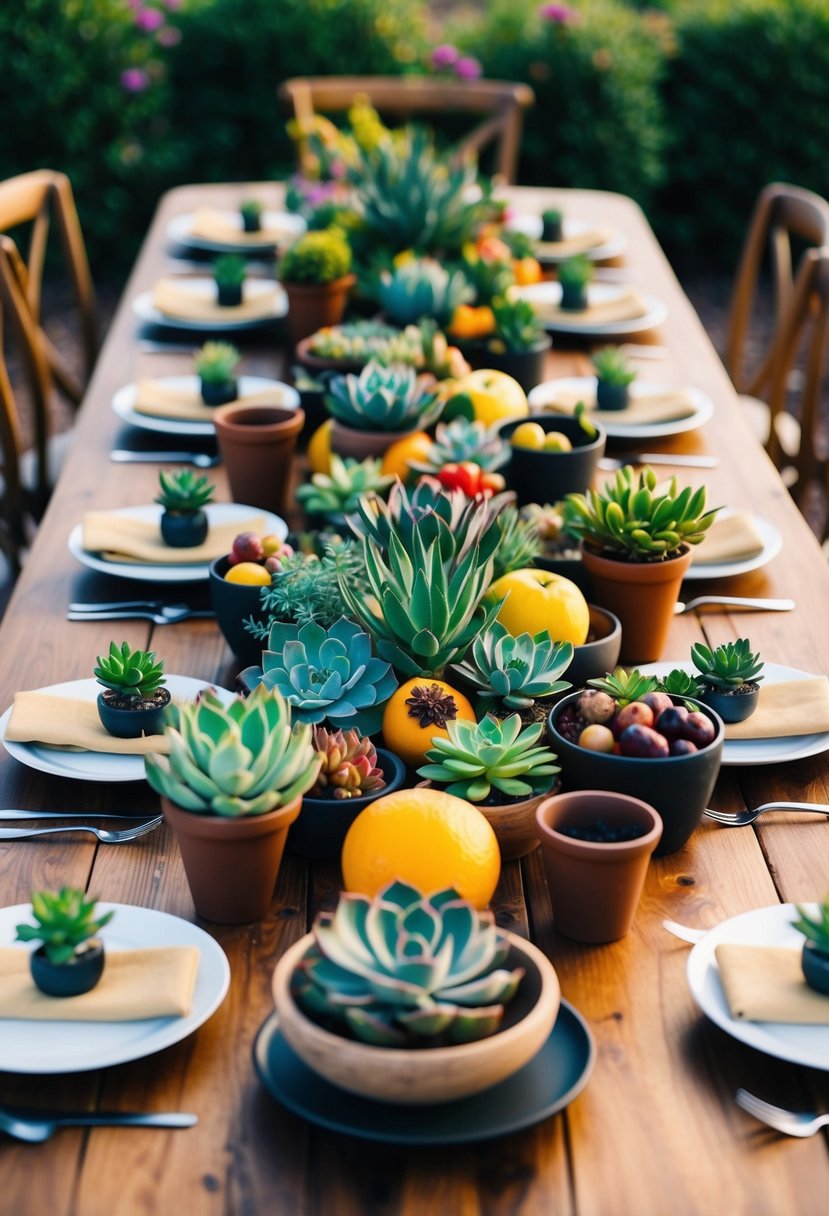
728 666
625 686
513 672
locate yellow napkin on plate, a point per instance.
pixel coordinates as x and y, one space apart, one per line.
174 299
731 538
766 984
214 226
627 305
642 410
136 984
69 722
122 538
577 243
185 405
793 707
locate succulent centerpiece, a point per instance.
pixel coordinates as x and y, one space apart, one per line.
316 274
815 958
730 678
517 344
614 376
373 409
575 276
460 441
183 497
422 287
335 494
215 365
70 959
251 210
229 273
135 697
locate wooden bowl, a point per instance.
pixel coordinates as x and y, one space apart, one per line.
415 1076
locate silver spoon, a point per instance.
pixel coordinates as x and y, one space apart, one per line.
35 1128
202 460
734 601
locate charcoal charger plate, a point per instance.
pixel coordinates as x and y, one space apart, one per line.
548 1083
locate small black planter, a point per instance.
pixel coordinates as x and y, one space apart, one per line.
539 476
612 396
573 297
229 296
525 366
552 229
183 529
219 394
731 706
592 659
252 221
233 603
68 979
815 968
319 832
133 723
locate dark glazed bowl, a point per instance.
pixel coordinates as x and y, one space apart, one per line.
732 707
132 723
539 476
233 603
525 366
319 832
595 659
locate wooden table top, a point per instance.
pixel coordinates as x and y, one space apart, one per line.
656 1130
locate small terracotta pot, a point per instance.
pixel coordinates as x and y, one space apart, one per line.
314 305
231 864
595 887
642 595
513 823
348 441
257 443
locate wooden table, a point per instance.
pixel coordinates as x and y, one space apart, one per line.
656 1130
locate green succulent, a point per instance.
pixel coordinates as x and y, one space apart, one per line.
128 671
815 928
65 920
519 244
355 341
488 277
463 440
729 665
422 287
306 587
183 490
241 759
251 209
680 683
520 545
515 671
349 765
552 215
382 398
338 491
481 757
333 214
576 272
317 257
229 270
517 328
611 367
470 522
625 686
627 519
216 362
404 969
325 675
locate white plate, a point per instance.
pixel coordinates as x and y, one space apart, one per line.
531 226
146 311
772 544
702 407
760 751
772 926
217 512
94 766
54 1047
550 293
124 400
180 232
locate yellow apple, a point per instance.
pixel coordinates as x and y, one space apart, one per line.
555 441
495 396
539 599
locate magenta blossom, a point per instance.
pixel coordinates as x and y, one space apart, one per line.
173 4
134 80
445 56
468 68
168 36
560 14
149 19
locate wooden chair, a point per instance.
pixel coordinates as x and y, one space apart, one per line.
404 97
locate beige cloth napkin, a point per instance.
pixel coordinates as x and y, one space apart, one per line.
42 717
185 405
793 707
642 410
174 299
627 305
214 226
578 243
122 538
136 984
766 984
731 538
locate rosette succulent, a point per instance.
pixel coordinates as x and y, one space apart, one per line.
65 921
625 686
463 440
422 287
339 490
407 970
480 759
728 666
245 758
325 675
183 490
382 398
128 671
520 544
513 672
349 765
680 683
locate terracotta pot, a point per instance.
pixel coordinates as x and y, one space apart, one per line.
595 886
642 595
314 305
348 441
231 864
513 823
257 443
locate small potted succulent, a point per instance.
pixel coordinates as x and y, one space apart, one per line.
229 272
251 210
135 696
215 365
552 456
575 276
552 224
380 405
183 497
352 775
422 287
730 678
316 274
331 496
230 788
517 345
614 376
815 957
463 441
349 347
377 1006
70 959
499 767
510 674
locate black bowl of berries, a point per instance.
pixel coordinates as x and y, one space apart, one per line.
663 749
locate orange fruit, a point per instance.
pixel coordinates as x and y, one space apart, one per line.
251 574
471 321
539 599
495 396
526 271
424 837
413 718
319 448
397 459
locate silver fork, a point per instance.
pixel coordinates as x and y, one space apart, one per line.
164 616
36 1127
103 834
790 1122
684 932
202 460
739 819
681 460
734 601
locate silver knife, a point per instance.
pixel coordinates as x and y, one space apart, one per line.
681 460
10 814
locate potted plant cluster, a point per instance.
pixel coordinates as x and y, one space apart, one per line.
552 224
251 210
575 276
229 273
551 457
215 365
614 376
316 273
517 344
135 697
70 959
350 346
515 673
730 678
183 497
380 405
422 287
815 958
331 496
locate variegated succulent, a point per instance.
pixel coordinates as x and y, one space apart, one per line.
479 758
349 765
460 440
422 287
625 686
382 398
513 672
407 970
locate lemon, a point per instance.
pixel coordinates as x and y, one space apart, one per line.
250 574
529 435
539 599
319 448
555 441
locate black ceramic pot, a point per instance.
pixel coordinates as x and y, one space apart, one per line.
233 603
313 405
133 723
525 366
252 221
574 297
319 832
678 787
183 529
592 660
731 706
229 296
552 228
219 394
816 968
541 476
68 979
612 396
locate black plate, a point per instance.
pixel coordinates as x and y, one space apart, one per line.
547 1084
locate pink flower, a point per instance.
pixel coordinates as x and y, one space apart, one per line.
173 4
149 19
168 36
134 80
560 14
445 56
468 68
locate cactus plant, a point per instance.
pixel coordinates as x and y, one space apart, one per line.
404 969
349 765
422 287
317 257
183 490
338 491
382 399
65 921
479 758
216 362
517 327
130 672
625 686
513 672
729 666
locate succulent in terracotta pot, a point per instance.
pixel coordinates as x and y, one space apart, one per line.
251 210
373 409
335 494
815 928
614 377
730 678
134 697
316 274
215 365
70 959
184 495
575 276
229 272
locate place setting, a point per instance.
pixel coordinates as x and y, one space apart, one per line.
253 228
558 236
229 299
576 304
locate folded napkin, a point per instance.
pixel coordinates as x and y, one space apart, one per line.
627 305
122 538
766 984
215 226
69 722
185 405
641 411
793 707
568 246
175 299
731 538
136 984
